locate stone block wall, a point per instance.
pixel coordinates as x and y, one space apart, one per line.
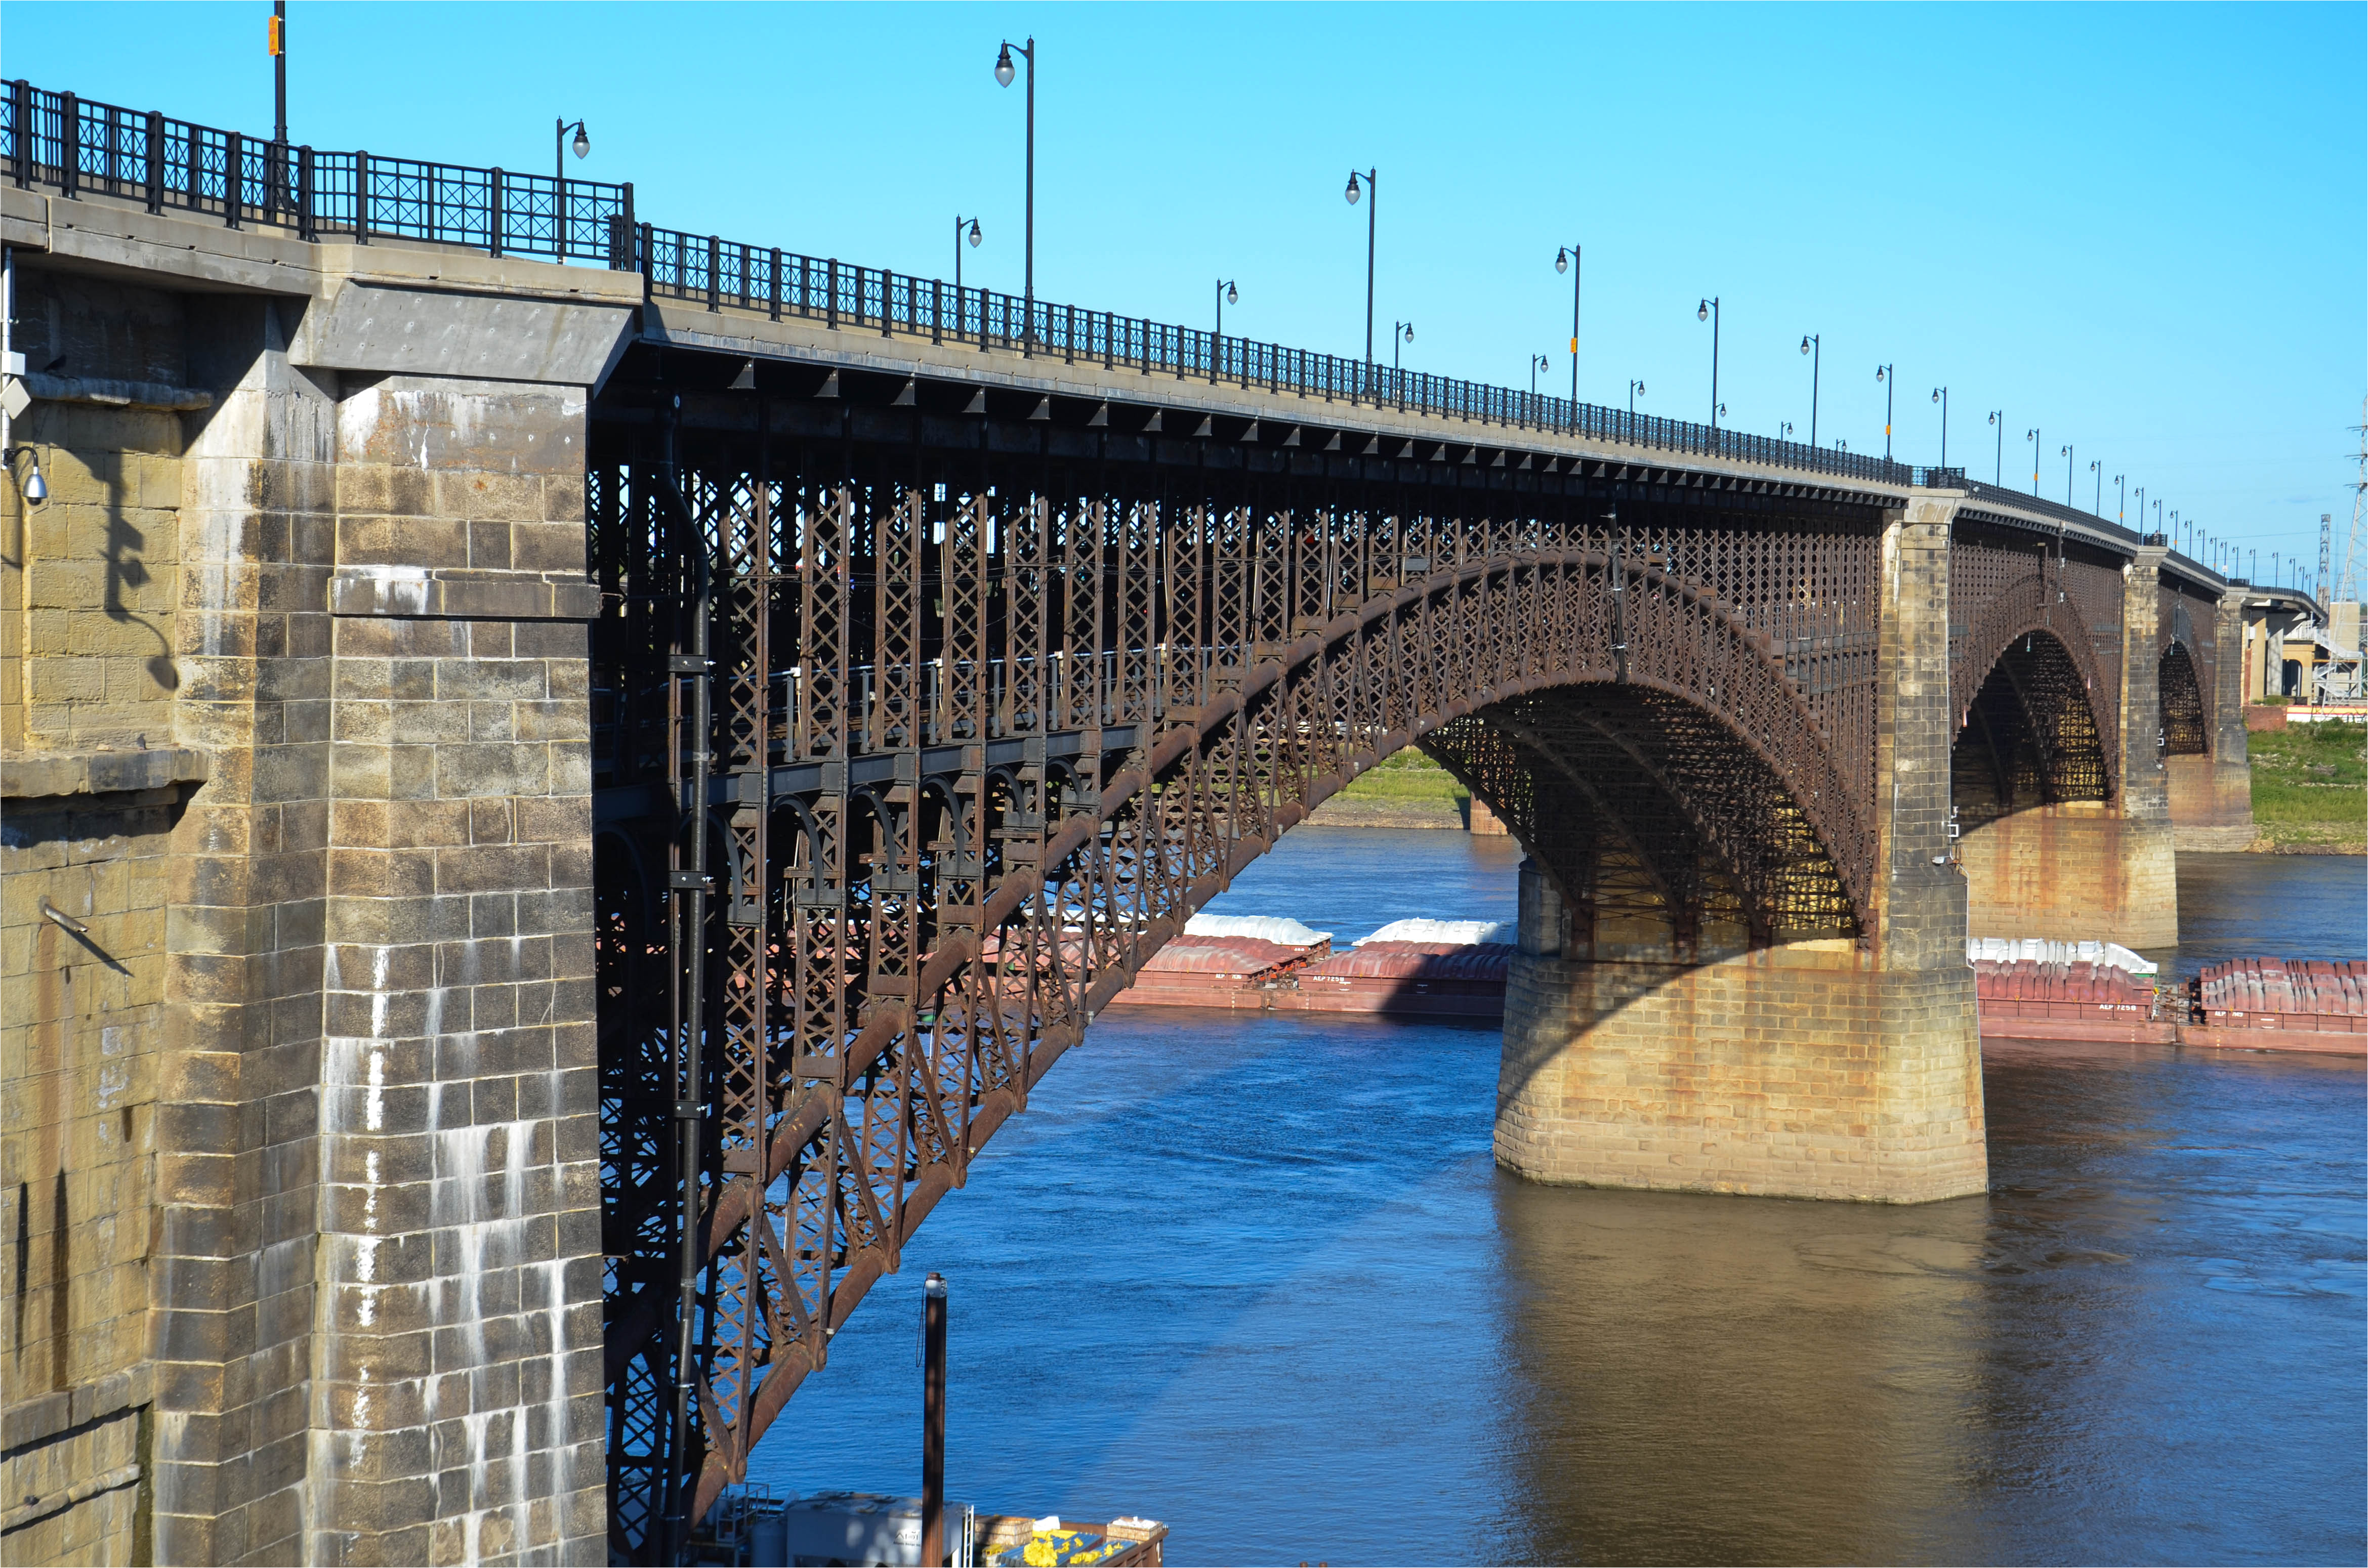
1799 1072
93 789
300 1136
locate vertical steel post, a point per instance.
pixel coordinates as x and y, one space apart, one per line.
280 73
933 1421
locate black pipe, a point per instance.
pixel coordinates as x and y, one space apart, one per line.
933 1421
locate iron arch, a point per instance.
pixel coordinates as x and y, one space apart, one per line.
2185 732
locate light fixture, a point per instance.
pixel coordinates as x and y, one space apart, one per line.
582 142
1701 311
1409 332
35 489
973 234
1804 344
1003 71
1879 372
1562 260
1354 190
1233 295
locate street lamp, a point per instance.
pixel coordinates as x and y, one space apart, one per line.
1003 74
2120 500
1227 295
1537 362
34 488
973 237
1941 396
1354 192
1785 430
559 153
1889 376
1998 418
1400 332
1814 347
2067 476
2098 469
2031 435
1567 259
1635 390
1708 311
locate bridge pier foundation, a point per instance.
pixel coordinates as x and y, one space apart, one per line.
2105 871
1840 1068
2211 796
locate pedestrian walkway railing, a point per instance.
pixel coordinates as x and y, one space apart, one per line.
75 146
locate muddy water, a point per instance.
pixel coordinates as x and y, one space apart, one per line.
1260 1279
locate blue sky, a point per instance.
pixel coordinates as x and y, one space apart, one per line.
2139 228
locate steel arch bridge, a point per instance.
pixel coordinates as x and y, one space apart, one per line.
924 711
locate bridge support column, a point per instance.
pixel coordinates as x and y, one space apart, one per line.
2083 870
2211 796
1840 1068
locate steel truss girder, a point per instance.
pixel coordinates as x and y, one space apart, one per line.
985 732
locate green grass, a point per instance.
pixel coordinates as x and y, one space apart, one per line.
2310 784
1408 778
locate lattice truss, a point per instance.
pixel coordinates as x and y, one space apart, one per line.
2187 651
975 744
2034 653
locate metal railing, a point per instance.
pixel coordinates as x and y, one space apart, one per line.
76 147
710 270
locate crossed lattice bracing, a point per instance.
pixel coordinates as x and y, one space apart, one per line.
974 740
911 750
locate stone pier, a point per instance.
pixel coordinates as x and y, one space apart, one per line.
300 1165
2211 795
2094 870
1837 1068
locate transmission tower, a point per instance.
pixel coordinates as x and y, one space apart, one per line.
2351 583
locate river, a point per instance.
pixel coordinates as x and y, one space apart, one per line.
1259 1277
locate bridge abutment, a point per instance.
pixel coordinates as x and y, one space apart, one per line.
2084 871
311 754
1835 1068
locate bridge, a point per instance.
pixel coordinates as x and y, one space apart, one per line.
564 777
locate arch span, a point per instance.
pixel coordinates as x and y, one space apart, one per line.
2028 736
2185 732
906 999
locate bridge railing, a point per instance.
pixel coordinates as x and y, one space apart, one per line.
718 273
74 146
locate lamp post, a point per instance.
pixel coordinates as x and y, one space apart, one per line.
1568 259
1708 311
2157 518
2098 470
2121 499
1400 333
278 47
559 152
2141 492
1635 390
1537 362
1785 430
1889 376
2031 435
2067 476
2253 563
1372 178
1814 347
1941 396
1227 295
973 236
1003 74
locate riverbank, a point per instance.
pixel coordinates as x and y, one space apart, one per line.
2310 789
2310 793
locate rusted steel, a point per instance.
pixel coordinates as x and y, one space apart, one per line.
993 715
